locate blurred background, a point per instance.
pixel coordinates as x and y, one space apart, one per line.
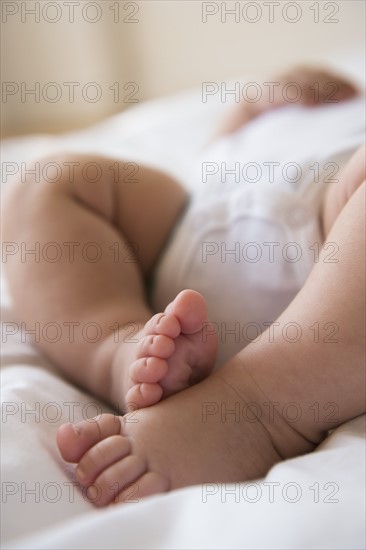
67 64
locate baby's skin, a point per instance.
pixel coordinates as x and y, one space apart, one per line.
185 425
170 353
194 436
155 449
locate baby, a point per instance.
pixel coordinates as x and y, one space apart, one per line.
157 367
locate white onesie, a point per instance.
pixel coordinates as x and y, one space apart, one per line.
251 234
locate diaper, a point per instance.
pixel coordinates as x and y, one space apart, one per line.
248 246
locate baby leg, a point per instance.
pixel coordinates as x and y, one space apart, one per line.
109 230
233 426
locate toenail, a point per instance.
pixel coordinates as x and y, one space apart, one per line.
92 492
160 318
80 474
76 428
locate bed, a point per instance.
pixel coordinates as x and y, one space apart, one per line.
314 501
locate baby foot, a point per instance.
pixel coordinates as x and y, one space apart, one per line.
177 442
174 351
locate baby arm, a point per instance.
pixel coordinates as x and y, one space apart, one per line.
302 85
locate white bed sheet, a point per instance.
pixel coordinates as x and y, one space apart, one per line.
318 500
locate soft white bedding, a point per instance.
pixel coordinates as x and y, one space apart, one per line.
315 501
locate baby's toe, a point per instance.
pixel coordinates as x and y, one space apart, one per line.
143 395
156 346
190 308
148 369
163 323
116 478
74 440
101 456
